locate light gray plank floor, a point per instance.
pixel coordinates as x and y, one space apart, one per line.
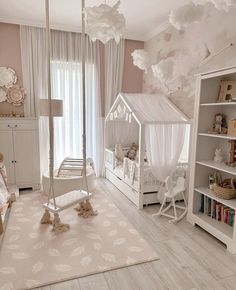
190 258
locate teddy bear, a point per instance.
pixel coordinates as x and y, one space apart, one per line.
131 154
220 124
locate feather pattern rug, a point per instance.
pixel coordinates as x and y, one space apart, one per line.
32 255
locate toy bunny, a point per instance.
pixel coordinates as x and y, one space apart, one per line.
218 156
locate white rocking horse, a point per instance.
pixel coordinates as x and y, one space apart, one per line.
173 189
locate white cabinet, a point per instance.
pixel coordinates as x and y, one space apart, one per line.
205 208
19 143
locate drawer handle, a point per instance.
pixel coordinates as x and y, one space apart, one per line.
15 126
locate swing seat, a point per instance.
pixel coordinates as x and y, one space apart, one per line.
67 200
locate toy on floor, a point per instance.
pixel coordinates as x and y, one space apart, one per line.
173 190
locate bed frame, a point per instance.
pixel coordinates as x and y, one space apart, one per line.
139 192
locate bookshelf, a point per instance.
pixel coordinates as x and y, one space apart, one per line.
222 136
203 149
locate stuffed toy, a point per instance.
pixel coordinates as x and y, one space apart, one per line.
220 124
131 154
218 156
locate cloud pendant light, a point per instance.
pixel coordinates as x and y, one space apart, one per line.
104 22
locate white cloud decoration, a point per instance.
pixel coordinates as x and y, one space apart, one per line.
164 70
104 22
219 4
172 71
183 16
141 59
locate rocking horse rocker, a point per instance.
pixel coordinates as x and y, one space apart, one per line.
172 191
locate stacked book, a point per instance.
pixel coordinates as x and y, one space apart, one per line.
217 211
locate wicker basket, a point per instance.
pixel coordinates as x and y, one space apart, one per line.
225 193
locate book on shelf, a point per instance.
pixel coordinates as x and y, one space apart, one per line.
202 203
217 210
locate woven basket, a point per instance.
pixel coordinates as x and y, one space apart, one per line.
225 193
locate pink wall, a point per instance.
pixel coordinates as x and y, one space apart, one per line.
133 76
10 57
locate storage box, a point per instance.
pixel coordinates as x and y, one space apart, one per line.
232 128
227 91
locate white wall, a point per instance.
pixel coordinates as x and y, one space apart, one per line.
216 31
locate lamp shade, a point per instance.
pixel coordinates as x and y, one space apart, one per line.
57 108
104 22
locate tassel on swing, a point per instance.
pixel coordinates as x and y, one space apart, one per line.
85 209
58 226
57 204
46 218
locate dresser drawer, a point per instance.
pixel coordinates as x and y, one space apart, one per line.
18 125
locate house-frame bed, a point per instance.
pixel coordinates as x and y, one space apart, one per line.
126 123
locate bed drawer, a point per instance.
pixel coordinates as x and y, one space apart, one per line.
129 192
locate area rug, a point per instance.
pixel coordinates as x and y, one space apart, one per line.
31 255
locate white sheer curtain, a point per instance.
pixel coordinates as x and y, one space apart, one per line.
114 64
33 58
66 85
164 144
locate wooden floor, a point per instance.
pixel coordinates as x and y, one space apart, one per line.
189 257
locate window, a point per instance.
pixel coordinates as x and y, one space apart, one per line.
67 86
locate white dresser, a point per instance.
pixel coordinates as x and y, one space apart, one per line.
19 143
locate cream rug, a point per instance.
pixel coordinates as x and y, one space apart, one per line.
31 255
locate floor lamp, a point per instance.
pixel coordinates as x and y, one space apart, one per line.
56 107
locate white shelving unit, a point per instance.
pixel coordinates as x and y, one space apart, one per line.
204 145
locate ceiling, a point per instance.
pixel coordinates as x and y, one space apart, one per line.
144 18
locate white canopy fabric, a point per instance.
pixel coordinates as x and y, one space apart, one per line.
165 127
154 108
